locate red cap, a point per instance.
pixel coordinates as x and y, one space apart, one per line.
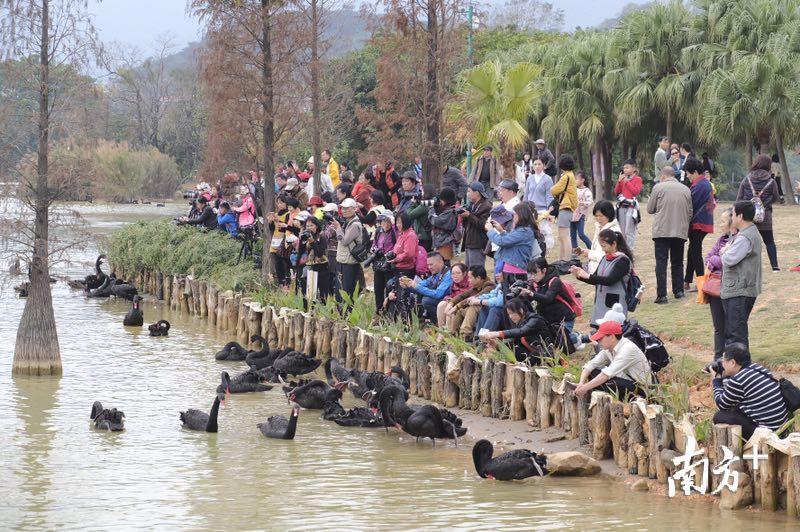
316 200
607 328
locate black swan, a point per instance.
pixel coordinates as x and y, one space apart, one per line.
231 351
124 291
92 281
310 395
279 427
159 328
104 290
265 356
134 317
23 288
295 363
513 465
194 419
355 417
249 381
107 418
426 421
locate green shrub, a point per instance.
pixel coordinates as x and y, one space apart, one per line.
161 246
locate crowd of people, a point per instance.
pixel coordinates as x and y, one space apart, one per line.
427 250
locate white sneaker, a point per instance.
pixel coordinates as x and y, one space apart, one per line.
579 345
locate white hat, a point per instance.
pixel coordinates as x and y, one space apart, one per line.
310 160
291 184
386 215
302 216
615 314
540 141
291 239
330 207
349 203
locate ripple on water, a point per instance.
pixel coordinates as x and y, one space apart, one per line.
57 473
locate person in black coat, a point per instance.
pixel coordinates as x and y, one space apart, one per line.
530 334
454 180
549 293
207 217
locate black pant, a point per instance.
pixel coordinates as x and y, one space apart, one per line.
718 319
350 274
623 388
736 417
672 249
323 281
282 269
379 283
772 251
737 311
695 265
426 244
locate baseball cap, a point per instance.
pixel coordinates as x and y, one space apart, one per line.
509 185
478 187
410 175
385 215
607 328
540 141
302 216
349 203
316 200
501 215
330 207
292 183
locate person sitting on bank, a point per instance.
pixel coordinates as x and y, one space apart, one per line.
530 333
226 220
620 367
434 288
207 217
746 393
462 310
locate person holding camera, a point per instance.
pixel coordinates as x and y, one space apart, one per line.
382 246
432 289
444 222
418 211
462 310
530 333
565 191
314 245
473 219
410 190
207 217
349 235
746 393
515 247
277 225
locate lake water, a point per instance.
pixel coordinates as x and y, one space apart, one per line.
58 473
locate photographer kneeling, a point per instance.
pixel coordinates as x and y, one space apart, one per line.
746 393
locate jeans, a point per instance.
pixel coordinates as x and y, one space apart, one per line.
672 249
772 251
489 318
718 319
475 257
576 229
429 305
623 388
737 312
695 265
736 417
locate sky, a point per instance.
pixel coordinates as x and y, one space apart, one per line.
141 22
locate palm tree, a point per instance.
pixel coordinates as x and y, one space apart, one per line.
491 106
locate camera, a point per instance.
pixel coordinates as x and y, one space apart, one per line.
375 255
305 235
515 290
715 368
461 210
413 194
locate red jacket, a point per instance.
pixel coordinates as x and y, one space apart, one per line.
406 250
630 189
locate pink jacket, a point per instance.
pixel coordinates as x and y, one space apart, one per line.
406 250
246 211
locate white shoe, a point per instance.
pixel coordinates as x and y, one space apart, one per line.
579 345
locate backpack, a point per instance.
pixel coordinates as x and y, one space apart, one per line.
257 191
361 250
761 212
422 261
650 344
573 301
634 287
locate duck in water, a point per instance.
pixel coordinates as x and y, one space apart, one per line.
135 316
159 328
107 418
279 427
513 465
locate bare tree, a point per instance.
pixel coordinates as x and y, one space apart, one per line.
60 33
526 15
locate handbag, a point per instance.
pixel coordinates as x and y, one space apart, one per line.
712 285
555 205
700 281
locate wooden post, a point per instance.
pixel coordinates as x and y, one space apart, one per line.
465 381
498 387
437 362
351 360
601 425
768 477
423 373
557 408
793 486
168 290
486 387
545 392
241 320
636 442
406 358
211 304
450 393
324 338
531 397
187 295
571 407
184 290
254 318
194 285
517 393
412 369
309 333
665 439
366 345
221 317
619 438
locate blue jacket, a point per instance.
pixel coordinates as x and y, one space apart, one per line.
494 298
228 223
436 286
517 247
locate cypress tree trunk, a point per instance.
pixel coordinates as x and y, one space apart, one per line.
315 107
788 191
36 351
431 156
268 132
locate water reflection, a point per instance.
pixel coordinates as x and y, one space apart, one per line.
58 473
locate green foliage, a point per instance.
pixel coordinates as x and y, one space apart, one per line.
161 246
504 353
702 430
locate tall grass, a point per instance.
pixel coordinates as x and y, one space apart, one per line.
176 250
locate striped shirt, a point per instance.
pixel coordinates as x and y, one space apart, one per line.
756 393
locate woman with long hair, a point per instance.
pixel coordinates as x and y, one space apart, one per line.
611 275
759 183
516 247
714 267
566 190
